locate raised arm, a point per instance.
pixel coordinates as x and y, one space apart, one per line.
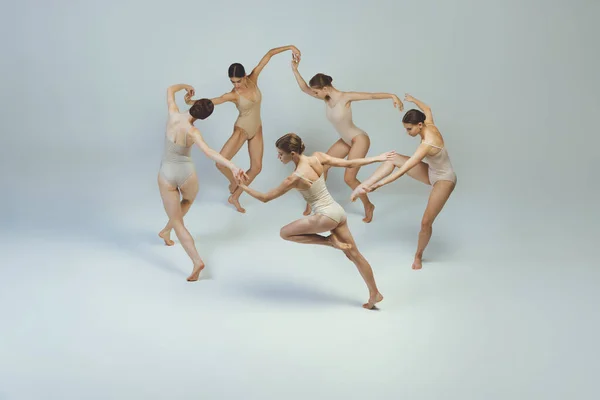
171 103
230 96
358 96
289 183
424 107
326 159
267 57
301 82
413 161
215 156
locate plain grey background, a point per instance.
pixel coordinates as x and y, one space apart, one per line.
514 90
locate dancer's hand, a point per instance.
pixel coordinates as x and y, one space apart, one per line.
295 51
188 96
398 103
388 156
295 61
239 175
408 97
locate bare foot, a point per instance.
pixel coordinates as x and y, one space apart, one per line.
196 272
373 300
307 210
369 208
232 187
166 236
358 191
418 263
337 243
236 203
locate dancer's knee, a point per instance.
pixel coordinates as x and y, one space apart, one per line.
284 233
255 169
426 224
350 179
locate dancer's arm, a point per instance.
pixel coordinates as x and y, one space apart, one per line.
285 186
301 82
215 156
326 159
358 96
424 107
412 162
230 96
171 103
267 57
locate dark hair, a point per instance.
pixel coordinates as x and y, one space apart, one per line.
237 70
319 81
202 108
413 117
290 142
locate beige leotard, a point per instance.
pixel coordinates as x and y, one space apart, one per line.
176 165
340 117
249 114
440 167
320 199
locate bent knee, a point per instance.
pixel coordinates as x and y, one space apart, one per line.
350 178
284 234
255 168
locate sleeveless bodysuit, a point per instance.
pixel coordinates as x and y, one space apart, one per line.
440 167
176 165
249 114
340 117
320 199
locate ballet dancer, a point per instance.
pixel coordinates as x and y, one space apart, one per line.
328 215
354 142
429 164
247 98
177 176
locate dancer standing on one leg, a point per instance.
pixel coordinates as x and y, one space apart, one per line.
436 171
353 142
177 179
329 216
247 98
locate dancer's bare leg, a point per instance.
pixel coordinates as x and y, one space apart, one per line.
359 149
440 193
170 198
343 233
306 231
186 202
420 172
229 150
338 150
255 150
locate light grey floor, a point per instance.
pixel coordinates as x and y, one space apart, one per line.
94 306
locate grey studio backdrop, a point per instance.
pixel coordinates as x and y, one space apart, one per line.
513 87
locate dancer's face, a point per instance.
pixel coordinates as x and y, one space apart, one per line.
283 156
321 93
413 130
237 82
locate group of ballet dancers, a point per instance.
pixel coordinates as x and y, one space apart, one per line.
178 182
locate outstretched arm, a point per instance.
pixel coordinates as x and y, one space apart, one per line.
358 96
424 107
285 186
215 156
230 96
413 161
172 105
267 57
326 159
